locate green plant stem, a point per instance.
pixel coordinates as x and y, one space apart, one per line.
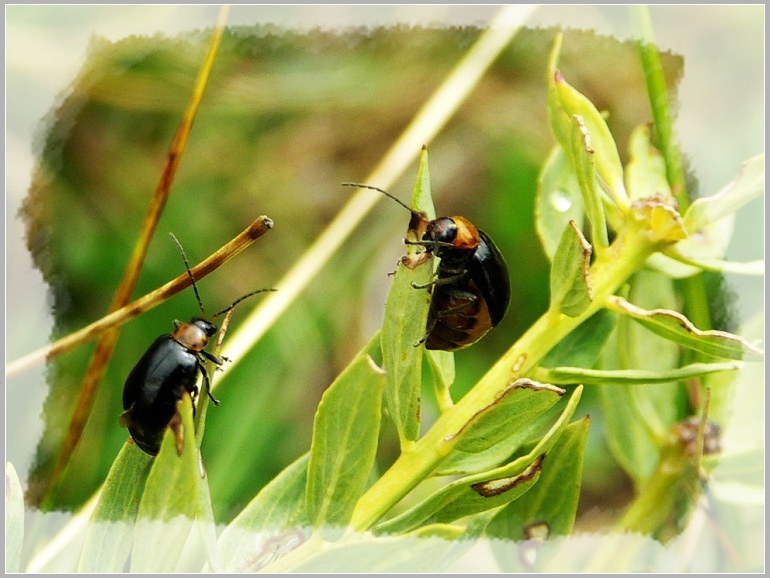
696 303
661 111
626 255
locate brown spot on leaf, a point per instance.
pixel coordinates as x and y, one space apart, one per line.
499 486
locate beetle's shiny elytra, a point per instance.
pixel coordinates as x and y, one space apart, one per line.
167 370
471 291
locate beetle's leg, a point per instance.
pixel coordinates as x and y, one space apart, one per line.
176 427
208 384
441 281
125 419
213 358
219 361
430 245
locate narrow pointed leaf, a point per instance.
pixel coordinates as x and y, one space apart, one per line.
677 328
570 282
497 430
608 166
550 507
422 198
404 324
428 549
584 163
486 490
442 366
345 435
109 537
276 512
207 526
646 171
558 118
709 222
748 185
697 263
169 504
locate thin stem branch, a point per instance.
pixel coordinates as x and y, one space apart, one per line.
253 232
661 111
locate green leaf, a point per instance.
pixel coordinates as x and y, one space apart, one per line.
581 348
568 375
583 161
422 199
14 520
570 281
674 326
558 118
558 200
518 403
442 366
276 514
345 435
428 549
404 324
695 264
646 171
672 265
637 418
484 491
207 525
748 185
550 507
608 166
469 495
709 221
170 502
110 532
497 430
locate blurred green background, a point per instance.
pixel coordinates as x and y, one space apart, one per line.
299 101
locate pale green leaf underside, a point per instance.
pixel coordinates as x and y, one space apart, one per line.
570 281
345 436
677 328
501 485
169 504
278 509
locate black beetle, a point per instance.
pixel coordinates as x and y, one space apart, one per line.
472 290
169 368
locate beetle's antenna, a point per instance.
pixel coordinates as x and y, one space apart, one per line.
234 303
386 193
187 266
